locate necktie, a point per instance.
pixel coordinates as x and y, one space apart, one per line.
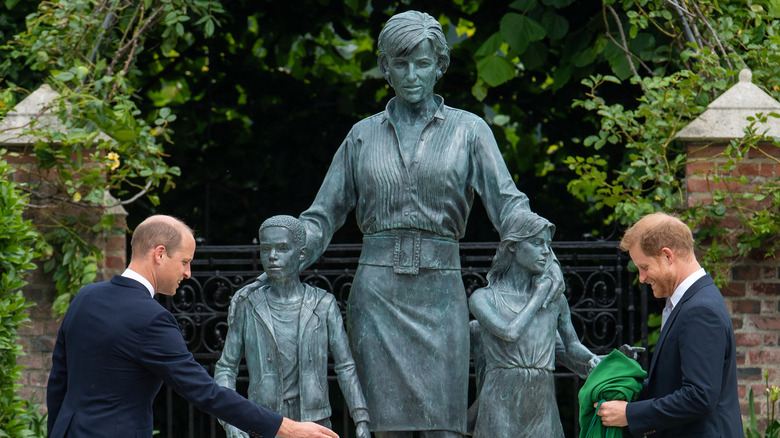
665 314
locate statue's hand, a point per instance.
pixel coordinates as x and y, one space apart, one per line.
631 352
362 430
542 288
234 432
593 362
558 286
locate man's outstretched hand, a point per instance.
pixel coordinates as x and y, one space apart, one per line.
295 429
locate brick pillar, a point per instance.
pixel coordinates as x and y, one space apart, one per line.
39 335
753 291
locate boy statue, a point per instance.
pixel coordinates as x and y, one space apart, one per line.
284 329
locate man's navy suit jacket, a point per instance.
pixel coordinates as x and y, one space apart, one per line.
691 388
115 347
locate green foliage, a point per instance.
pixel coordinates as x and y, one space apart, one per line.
772 425
105 147
638 166
18 245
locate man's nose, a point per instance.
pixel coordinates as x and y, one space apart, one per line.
187 271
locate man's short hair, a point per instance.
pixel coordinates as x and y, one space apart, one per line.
656 231
294 225
155 231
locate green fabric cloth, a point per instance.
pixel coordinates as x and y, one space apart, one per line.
616 377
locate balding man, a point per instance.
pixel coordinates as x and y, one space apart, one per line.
117 344
691 388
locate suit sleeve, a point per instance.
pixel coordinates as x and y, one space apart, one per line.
165 354
345 365
701 343
58 380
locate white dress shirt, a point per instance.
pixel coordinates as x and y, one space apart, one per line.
129 273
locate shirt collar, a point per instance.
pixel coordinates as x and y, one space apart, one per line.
129 273
390 109
685 285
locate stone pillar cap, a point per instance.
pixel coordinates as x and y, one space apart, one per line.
726 117
34 111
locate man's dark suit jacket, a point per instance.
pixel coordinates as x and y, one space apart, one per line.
691 388
115 347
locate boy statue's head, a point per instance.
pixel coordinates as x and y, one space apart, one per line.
282 246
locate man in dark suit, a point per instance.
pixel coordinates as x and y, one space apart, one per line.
691 387
117 345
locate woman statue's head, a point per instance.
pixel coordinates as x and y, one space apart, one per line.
405 31
526 241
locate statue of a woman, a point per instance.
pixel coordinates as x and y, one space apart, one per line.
411 174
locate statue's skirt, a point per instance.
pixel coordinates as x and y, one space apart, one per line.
409 335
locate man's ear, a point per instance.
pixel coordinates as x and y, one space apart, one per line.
159 253
303 254
668 255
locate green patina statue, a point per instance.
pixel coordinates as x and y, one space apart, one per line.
284 329
520 317
411 174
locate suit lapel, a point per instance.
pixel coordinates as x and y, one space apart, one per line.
695 288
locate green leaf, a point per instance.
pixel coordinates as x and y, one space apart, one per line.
124 134
518 31
557 26
495 70
490 46
64 76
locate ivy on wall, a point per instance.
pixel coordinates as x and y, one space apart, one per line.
18 418
106 152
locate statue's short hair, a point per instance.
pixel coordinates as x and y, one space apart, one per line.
656 231
158 230
404 31
294 225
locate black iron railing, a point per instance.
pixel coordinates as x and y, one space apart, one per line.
606 311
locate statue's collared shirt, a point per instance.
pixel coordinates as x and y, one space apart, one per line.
456 157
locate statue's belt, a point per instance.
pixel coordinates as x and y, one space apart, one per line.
408 251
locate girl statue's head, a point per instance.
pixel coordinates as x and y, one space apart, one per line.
518 228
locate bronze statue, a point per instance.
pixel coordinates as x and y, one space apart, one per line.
411 173
284 329
520 317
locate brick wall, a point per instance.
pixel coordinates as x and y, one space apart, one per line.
753 292
39 335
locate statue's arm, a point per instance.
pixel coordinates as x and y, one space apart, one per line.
344 365
490 177
226 369
491 320
573 354
335 199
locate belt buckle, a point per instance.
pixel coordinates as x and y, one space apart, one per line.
406 254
